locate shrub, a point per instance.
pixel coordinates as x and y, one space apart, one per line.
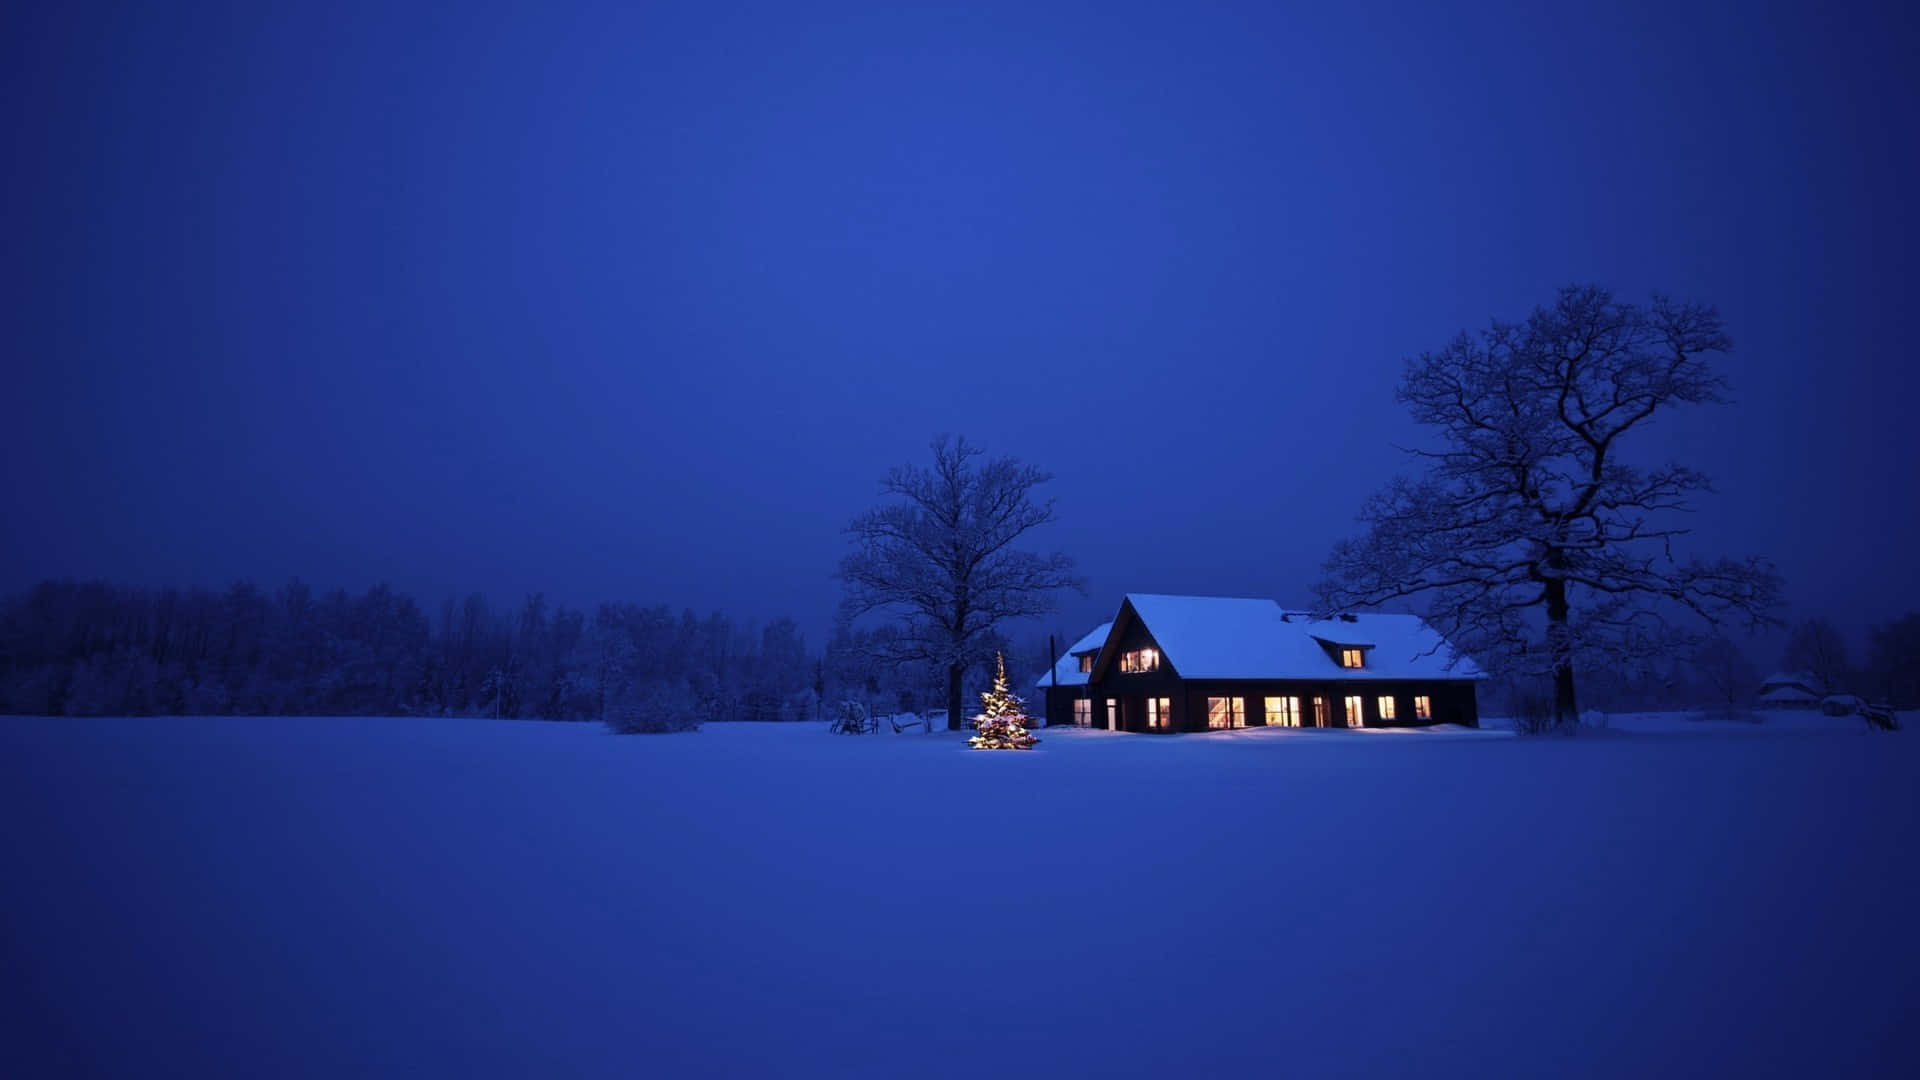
851 719
653 709
1533 714
1727 714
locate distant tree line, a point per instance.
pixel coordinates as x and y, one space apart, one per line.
1720 674
96 649
1890 672
1816 648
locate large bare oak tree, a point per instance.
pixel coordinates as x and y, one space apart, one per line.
1538 545
940 556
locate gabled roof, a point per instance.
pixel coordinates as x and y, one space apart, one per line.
1067 671
1218 637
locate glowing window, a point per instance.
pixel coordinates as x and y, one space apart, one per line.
1423 707
1353 658
1140 660
1226 712
1083 713
1386 707
1319 712
1113 714
1159 713
1283 712
1086 663
1356 712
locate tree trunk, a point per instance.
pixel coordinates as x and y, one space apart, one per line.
953 696
1560 647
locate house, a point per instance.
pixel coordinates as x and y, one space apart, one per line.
1791 690
1194 663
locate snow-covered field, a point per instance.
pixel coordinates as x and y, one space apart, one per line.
326 897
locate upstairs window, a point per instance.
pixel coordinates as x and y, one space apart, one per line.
1353 658
1086 664
1140 660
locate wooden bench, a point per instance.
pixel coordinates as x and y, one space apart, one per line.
920 722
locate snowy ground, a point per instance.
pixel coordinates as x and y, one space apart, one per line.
321 897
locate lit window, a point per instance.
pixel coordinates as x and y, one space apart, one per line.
1083 713
1226 712
1356 714
1140 660
1423 707
1113 714
1386 707
1319 712
1086 664
1159 713
1283 712
1352 658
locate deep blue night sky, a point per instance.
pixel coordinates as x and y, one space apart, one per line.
638 301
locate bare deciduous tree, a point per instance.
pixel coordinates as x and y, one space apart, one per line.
941 557
1536 543
1728 674
1894 661
1816 647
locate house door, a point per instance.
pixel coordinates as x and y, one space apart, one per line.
1113 714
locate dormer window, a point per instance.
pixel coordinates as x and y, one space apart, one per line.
1140 660
1086 664
1353 658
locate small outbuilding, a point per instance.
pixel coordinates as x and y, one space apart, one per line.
1841 704
1791 690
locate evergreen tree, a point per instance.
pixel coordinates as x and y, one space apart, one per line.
1003 725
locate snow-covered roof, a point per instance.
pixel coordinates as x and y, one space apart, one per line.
1791 693
1217 637
1803 680
1067 672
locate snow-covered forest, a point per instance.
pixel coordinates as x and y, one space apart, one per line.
96 649
92 649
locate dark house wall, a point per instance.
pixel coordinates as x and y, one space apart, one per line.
1453 700
1059 704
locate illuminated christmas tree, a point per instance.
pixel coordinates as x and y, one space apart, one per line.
1003 725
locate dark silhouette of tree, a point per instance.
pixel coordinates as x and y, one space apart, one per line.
1535 541
1816 647
941 558
1729 676
1893 661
